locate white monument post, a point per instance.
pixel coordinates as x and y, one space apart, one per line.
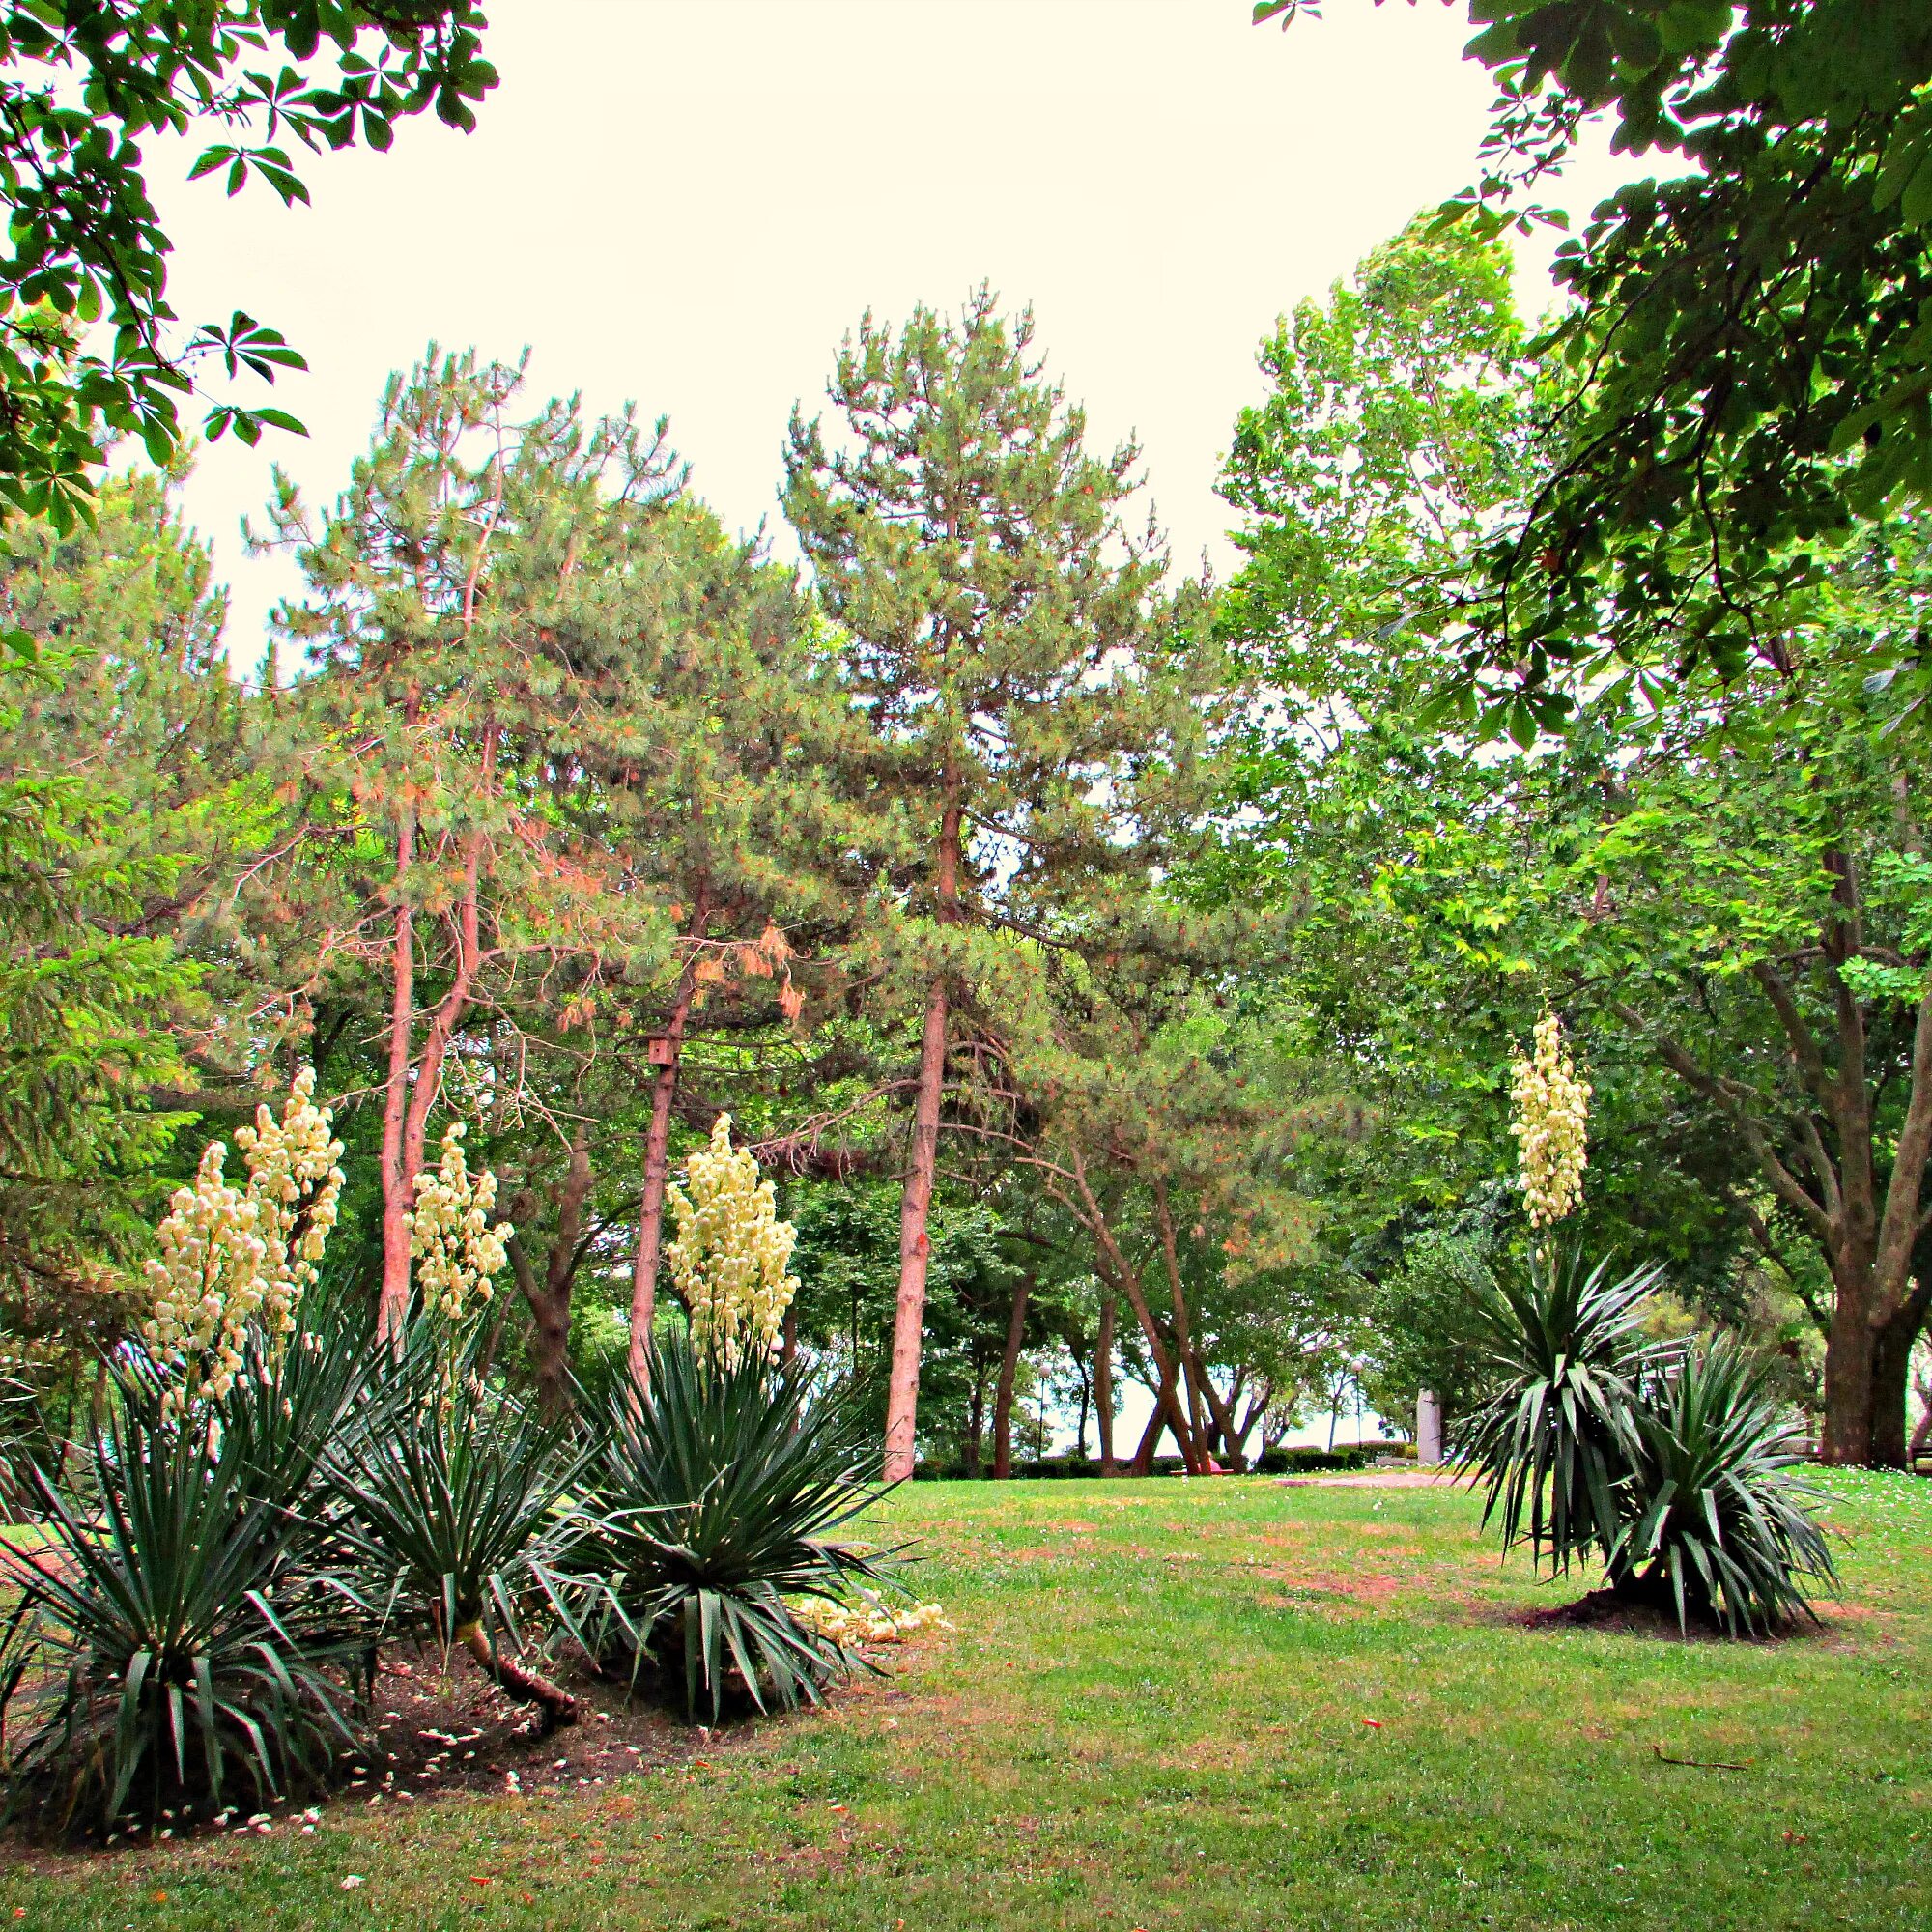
1428 1429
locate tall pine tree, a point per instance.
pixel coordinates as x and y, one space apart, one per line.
1000 650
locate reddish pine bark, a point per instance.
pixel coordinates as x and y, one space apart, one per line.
916 1202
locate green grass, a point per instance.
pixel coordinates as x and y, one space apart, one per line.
1152 1716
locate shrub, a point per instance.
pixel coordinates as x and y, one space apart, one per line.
172 1638
450 1498
715 1497
1668 1462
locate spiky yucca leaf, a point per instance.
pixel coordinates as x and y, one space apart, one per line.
714 1497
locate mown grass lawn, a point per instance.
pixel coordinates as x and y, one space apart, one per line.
1154 1714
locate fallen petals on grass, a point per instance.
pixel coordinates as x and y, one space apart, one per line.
869 1622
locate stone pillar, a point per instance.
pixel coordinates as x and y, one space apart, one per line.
1428 1429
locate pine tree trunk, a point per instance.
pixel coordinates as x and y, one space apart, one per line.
656 1157
1103 1385
398 1192
549 1299
1003 1400
450 1014
1143 1457
916 1202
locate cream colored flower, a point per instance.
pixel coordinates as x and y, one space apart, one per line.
231 1257
1552 1109
731 1251
456 1250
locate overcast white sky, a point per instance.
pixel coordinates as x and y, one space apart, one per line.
689 202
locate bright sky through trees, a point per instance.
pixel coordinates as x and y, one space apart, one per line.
689 202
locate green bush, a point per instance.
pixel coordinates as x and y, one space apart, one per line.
1668 1461
171 1640
714 1499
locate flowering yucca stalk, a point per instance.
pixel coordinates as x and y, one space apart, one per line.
730 1252
456 1250
235 1257
1552 1109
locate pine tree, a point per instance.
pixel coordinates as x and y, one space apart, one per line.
461 615
1000 649
718 762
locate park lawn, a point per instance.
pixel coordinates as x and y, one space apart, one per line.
1154 1712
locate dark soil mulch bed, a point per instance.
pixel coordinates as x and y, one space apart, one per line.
438 1733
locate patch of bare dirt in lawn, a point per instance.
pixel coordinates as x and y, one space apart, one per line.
1357 1587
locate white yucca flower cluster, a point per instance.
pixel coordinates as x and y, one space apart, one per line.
1552 1110
731 1251
235 1255
869 1622
456 1250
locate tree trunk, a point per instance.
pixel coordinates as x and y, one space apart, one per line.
1143 1459
915 1201
1183 1332
1103 1385
657 1155
976 1422
398 1196
1119 1272
1222 1413
1002 1399
1850 1349
550 1298
450 1014
526 1687
1891 1387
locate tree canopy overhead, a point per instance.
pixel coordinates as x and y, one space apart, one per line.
90 351
1746 357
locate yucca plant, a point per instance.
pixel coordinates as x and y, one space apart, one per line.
1556 1442
166 1640
451 1498
1722 1529
714 1497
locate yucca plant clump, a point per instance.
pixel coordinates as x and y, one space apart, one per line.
1555 1440
713 1498
1670 1464
1723 1525
176 1637
452 1509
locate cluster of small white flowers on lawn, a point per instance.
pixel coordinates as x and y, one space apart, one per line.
1552 1109
232 1255
869 1622
731 1251
456 1250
